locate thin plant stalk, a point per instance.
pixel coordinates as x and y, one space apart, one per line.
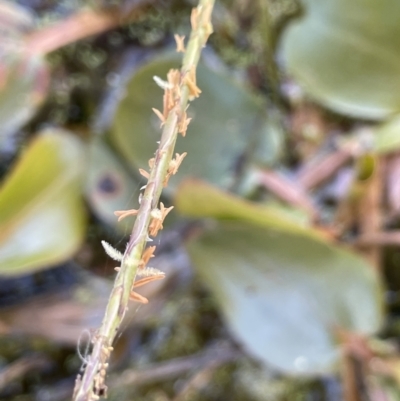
79 26
178 91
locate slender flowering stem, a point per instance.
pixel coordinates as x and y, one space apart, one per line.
178 91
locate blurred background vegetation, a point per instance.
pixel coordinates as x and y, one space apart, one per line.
282 251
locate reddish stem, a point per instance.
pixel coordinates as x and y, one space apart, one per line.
79 26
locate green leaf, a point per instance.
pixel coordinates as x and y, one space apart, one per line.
109 187
24 77
25 89
41 212
387 136
282 287
227 120
23 93
284 294
346 54
196 198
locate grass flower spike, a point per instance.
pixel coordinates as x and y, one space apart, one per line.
179 88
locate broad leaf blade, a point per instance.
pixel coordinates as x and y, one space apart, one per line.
284 294
347 55
26 84
24 77
283 288
196 198
227 120
41 212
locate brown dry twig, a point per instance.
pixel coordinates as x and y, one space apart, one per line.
370 212
79 26
20 368
288 191
315 174
176 367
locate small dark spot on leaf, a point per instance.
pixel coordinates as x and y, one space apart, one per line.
108 185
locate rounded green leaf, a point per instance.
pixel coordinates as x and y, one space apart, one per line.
346 54
283 287
227 120
41 211
284 294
